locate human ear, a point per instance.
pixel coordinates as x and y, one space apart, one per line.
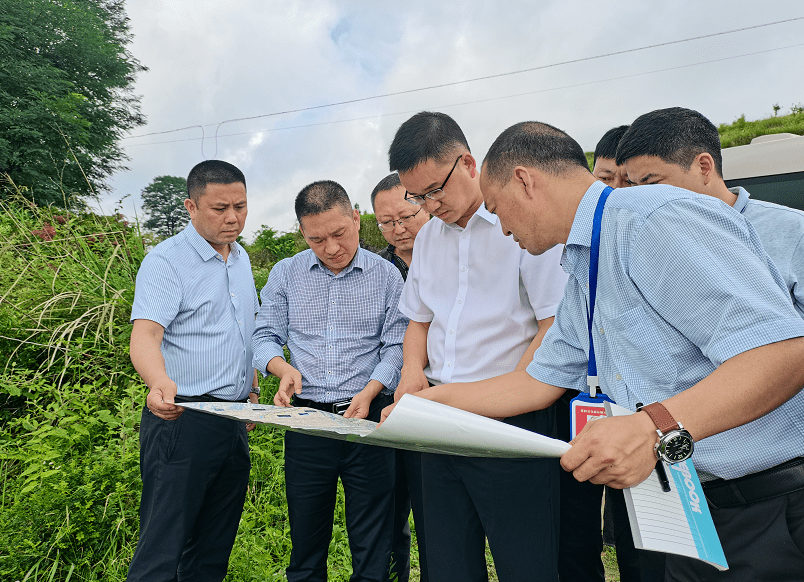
470 161
707 166
526 179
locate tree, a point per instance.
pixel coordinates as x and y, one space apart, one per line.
271 246
66 96
163 201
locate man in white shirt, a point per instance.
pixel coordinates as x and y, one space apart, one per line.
478 307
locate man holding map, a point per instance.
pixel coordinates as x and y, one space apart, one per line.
335 308
690 316
193 316
479 306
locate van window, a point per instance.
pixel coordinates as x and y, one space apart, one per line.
784 189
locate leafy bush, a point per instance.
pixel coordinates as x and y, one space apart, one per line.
70 406
370 233
73 503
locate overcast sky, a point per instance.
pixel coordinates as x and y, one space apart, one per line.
212 61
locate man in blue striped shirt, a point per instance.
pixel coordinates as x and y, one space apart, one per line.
681 147
335 308
193 316
691 315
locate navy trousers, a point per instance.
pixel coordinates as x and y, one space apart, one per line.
194 478
407 496
762 541
312 467
512 502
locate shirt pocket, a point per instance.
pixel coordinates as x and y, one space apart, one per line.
642 353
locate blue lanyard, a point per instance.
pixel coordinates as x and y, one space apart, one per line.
594 255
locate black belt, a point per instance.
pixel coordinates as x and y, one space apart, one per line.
774 482
333 407
203 398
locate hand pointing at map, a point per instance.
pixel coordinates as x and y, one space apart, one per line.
290 380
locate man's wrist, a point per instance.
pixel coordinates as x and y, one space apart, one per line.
278 366
373 388
412 369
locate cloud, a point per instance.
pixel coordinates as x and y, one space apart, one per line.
214 61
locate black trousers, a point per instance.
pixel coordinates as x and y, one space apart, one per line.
763 541
194 477
407 496
312 467
512 502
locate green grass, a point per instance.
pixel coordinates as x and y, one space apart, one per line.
741 132
70 405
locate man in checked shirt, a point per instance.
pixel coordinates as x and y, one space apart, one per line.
335 307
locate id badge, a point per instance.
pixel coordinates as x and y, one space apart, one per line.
584 408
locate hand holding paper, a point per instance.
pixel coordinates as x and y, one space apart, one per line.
617 451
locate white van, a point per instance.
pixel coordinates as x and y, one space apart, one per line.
771 168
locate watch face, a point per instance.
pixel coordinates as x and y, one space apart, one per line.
677 447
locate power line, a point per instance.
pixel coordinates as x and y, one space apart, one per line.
486 77
573 86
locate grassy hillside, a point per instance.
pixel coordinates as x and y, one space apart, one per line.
741 132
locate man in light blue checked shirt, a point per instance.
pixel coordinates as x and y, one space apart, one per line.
681 147
335 307
193 316
691 316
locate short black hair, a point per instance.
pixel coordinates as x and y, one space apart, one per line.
425 136
390 182
536 145
211 172
675 135
607 146
320 197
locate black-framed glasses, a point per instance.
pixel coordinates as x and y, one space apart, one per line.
388 225
436 193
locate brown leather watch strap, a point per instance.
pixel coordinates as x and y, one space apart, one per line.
660 416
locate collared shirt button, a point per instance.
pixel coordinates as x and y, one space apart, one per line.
232 294
452 331
460 301
602 332
463 268
618 377
239 322
449 364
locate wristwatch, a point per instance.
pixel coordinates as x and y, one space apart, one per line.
675 443
255 390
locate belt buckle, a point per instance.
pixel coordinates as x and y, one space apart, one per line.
340 407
